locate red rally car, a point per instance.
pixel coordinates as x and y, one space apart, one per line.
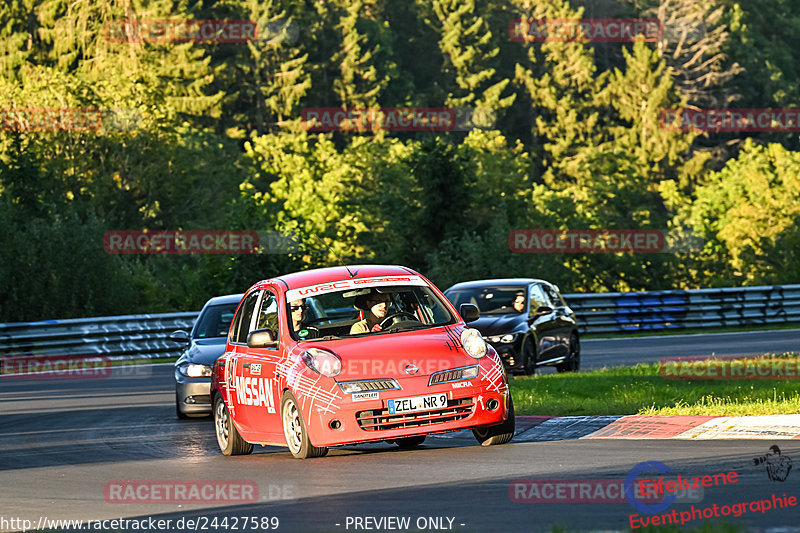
345 355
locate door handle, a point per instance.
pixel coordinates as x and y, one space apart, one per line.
246 365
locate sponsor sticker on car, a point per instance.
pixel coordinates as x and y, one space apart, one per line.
417 403
362 396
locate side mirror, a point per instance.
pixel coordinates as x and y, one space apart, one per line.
469 312
543 310
179 336
261 338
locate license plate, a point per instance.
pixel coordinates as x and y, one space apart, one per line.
417 403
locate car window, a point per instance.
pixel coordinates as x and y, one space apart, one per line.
334 313
538 298
214 321
243 318
553 296
491 300
268 314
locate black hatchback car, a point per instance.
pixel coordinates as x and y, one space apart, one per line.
526 320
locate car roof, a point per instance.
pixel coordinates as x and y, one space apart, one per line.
226 299
325 275
498 282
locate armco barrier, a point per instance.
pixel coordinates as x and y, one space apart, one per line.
116 337
146 336
621 312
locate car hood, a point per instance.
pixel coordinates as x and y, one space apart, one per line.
205 351
498 324
386 356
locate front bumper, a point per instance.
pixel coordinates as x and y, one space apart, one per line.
193 395
510 354
367 421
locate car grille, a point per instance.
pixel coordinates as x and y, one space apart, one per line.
372 384
380 419
378 384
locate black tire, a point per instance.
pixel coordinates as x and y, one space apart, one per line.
500 433
529 356
294 430
573 361
409 443
228 438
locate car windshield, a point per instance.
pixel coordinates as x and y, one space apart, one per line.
371 310
503 300
214 321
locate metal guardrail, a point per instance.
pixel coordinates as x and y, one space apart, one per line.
623 312
146 336
115 337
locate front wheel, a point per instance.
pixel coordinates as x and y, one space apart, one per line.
228 438
573 361
294 429
529 356
500 433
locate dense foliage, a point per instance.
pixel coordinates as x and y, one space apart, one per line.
209 136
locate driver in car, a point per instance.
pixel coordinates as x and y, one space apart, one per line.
298 309
376 306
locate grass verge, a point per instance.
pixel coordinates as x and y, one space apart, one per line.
641 390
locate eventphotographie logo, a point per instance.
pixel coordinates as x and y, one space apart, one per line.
776 464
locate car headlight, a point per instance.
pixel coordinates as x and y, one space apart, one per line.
194 370
322 362
473 343
503 339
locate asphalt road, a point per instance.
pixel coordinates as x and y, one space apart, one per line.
65 443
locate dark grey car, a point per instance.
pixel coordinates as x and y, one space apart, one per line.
205 343
526 320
